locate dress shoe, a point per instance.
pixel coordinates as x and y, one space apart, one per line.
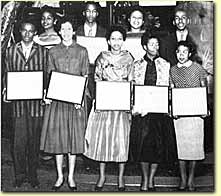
151 189
72 188
98 188
143 190
56 188
191 189
181 189
121 189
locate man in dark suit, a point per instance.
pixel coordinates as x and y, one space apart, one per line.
169 43
26 55
90 27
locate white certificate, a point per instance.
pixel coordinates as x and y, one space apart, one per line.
66 87
151 99
24 85
113 96
94 45
133 45
189 101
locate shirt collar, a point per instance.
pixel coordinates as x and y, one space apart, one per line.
87 28
180 33
71 46
27 47
186 64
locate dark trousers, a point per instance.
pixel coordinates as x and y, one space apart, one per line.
26 146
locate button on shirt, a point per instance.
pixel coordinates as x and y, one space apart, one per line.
26 49
90 31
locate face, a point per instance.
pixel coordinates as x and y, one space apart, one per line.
47 20
182 54
136 19
91 13
27 32
152 47
66 31
116 41
181 20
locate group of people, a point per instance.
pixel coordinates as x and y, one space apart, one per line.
61 128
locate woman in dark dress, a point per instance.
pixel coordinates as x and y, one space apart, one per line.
152 137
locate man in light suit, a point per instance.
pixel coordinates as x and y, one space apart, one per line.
26 55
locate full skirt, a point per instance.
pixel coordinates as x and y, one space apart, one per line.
107 136
152 139
63 129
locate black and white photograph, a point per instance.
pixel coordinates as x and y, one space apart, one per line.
108 96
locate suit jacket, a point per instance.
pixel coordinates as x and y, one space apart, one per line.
168 48
15 61
101 32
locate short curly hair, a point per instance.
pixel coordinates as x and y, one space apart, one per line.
186 44
149 35
116 28
64 20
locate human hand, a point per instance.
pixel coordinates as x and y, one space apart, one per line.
176 117
46 101
77 106
4 96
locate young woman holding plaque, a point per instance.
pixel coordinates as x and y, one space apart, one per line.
152 137
107 133
189 130
64 123
49 37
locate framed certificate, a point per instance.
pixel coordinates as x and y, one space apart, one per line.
113 96
94 45
189 101
66 87
24 85
151 99
132 44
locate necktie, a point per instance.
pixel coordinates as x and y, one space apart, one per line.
90 32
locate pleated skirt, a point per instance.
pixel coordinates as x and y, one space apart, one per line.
63 129
107 136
